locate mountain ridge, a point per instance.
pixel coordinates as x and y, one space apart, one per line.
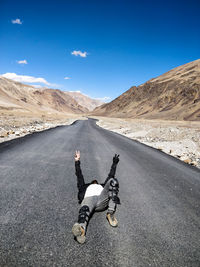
174 95
16 95
84 100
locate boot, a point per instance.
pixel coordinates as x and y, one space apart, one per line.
112 219
79 228
79 233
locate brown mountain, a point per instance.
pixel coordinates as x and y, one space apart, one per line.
174 95
21 97
85 101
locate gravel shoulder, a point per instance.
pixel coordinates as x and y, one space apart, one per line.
15 125
179 139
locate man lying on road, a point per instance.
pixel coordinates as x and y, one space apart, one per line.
95 197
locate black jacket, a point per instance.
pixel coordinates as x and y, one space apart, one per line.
82 186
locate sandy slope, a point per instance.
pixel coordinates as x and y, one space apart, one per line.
175 95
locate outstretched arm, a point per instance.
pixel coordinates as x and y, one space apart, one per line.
113 168
80 178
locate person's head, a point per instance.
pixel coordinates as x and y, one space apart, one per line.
94 182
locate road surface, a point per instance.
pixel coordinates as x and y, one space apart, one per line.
159 219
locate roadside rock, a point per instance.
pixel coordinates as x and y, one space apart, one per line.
188 161
194 163
17 133
4 134
178 139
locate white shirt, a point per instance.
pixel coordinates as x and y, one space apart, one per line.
93 190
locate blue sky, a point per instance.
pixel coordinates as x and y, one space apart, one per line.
104 47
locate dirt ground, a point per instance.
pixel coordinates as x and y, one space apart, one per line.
176 138
17 124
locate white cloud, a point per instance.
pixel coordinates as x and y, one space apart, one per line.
67 78
22 61
79 53
26 79
16 21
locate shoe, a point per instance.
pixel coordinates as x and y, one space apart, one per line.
112 219
79 233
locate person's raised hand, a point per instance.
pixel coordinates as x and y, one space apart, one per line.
77 155
116 159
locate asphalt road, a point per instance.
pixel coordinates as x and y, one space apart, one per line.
159 219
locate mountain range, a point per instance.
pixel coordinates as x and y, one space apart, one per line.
85 101
16 96
175 95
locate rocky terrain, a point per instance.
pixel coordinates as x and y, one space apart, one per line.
177 138
85 101
174 95
19 125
